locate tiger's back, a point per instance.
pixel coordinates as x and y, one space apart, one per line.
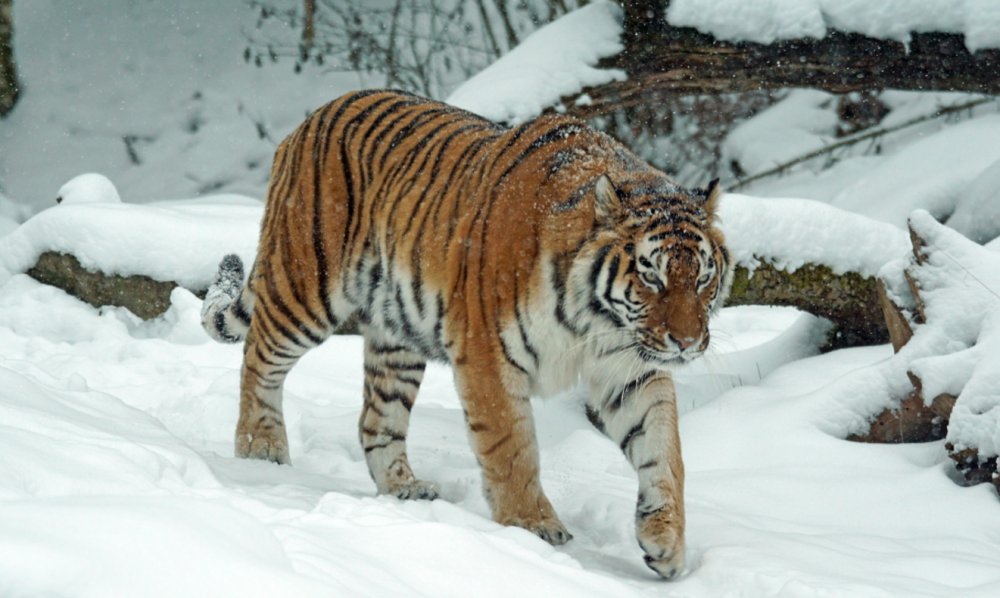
412 207
516 255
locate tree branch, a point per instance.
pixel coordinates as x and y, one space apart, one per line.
869 134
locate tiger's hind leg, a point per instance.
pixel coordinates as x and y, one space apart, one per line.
641 416
272 347
392 379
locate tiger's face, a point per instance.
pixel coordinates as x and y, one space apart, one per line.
662 270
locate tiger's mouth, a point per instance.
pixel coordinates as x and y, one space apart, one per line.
652 350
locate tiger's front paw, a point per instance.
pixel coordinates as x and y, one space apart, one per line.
529 509
270 444
661 536
550 530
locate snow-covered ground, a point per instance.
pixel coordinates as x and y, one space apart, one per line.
116 468
118 478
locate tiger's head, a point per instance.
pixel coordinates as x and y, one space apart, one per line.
659 267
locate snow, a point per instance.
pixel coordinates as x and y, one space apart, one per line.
791 232
88 188
946 166
977 215
119 480
171 78
931 174
800 124
116 435
184 240
519 86
179 241
771 20
958 350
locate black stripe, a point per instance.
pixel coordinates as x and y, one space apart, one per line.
559 284
346 142
556 133
393 397
239 311
506 351
222 329
404 367
274 296
616 399
278 328
298 290
680 233
637 430
521 328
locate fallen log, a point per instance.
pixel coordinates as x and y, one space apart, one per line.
914 420
661 59
141 295
849 300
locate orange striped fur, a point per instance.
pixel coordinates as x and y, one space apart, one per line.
527 258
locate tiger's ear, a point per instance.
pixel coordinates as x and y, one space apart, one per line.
710 195
608 206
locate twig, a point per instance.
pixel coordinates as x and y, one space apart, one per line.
858 138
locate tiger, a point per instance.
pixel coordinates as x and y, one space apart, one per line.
528 258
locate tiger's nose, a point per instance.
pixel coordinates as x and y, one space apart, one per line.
684 342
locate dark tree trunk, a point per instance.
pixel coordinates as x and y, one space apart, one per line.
308 26
683 61
8 70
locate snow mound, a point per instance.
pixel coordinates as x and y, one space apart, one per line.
801 123
555 61
179 241
930 174
88 188
977 216
771 20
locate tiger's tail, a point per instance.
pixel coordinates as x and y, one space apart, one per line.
228 306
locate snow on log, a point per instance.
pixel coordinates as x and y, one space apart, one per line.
946 305
557 60
814 257
788 252
741 45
